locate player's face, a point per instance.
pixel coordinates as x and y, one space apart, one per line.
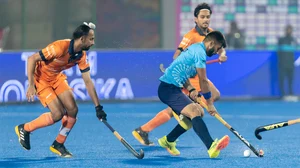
203 19
213 48
88 41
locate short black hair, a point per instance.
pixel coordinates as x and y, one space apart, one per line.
216 36
200 7
80 31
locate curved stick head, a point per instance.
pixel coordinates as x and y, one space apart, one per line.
256 133
141 155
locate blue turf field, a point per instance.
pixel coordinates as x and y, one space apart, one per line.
93 145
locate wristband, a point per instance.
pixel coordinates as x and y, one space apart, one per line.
207 95
179 48
192 90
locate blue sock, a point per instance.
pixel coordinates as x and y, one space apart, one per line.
202 131
175 133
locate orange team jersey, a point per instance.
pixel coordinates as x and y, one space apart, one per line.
48 76
193 36
57 57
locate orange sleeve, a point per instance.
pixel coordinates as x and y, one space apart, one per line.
83 63
186 41
53 50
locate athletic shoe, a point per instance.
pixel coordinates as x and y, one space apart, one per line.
217 146
142 137
170 146
60 149
23 135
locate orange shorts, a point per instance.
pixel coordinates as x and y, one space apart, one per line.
195 83
47 91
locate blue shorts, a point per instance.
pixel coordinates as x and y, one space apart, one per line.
172 96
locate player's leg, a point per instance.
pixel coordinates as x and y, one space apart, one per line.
142 133
214 146
194 111
185 122
180 103
217 145
66 97
162 117
171 96
185 106
48 98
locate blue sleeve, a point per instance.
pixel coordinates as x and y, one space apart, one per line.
200 59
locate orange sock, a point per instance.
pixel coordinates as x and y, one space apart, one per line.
42 121
63 122
161 118
67 125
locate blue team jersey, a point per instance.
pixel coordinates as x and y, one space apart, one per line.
184 66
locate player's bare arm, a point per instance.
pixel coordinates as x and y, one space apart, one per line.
193 93
204 84
188 85
176 54
93 94
90 87
203 80
222 55
31 91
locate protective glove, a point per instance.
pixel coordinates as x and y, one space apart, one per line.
101 115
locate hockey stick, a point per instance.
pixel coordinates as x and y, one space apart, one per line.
259 153
124 142
162 68
274 126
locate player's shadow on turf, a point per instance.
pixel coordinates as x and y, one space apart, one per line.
161 160
158 148
25 161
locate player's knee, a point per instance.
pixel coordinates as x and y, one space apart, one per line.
200 110
196 110
57 115
216 95
72 111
